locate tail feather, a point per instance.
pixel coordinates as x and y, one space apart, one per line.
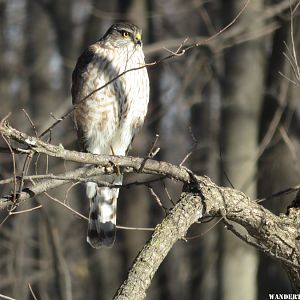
103 213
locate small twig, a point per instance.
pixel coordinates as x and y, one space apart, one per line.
66 115
167 193
178 52
3 120
14 169
205 232
85 218
230 23
224 171
5 219
135 228
29 156
15 150
244 238
280 193
185 158
25 169
151 153
47 165
292 55
67 206
256 245
156 198
31 291
31 122
25 211
55 118
6 297
289 56
287 78
194 147
69 189
290 59
293 44
273 124
288 142
296 7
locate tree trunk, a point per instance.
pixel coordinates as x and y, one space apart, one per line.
279 166
243 92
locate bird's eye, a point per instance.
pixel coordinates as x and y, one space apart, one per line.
125 34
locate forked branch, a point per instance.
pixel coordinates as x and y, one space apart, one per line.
277 236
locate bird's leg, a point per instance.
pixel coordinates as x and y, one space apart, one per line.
118 172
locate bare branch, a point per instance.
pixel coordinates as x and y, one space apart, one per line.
157 200
6 297
172 228
31 292
107 162
276 236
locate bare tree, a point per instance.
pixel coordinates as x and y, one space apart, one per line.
223 104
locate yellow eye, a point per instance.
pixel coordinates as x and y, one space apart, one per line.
125 34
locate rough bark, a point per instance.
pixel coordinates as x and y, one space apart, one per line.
172 228
277 236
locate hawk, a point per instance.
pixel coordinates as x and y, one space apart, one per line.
107 120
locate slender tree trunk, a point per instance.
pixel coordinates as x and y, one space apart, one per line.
39 93
243 94
279 166
4 71
205 119
60 12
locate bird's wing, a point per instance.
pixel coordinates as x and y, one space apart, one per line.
79 73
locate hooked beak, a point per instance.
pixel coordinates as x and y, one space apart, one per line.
138 39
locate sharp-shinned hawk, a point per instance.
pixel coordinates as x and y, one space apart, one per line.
108 119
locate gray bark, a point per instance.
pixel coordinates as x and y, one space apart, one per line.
276 236
244 88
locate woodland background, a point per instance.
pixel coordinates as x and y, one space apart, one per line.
233 102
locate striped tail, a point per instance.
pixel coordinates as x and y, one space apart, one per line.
103 212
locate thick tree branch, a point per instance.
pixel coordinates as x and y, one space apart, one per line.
126 163
172 228
277 236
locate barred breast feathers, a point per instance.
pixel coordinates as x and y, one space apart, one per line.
119 109
113 110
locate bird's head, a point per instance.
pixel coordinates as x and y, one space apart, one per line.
123 35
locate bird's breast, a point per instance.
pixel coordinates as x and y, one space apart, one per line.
112 114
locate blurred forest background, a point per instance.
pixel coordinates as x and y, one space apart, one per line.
234 102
